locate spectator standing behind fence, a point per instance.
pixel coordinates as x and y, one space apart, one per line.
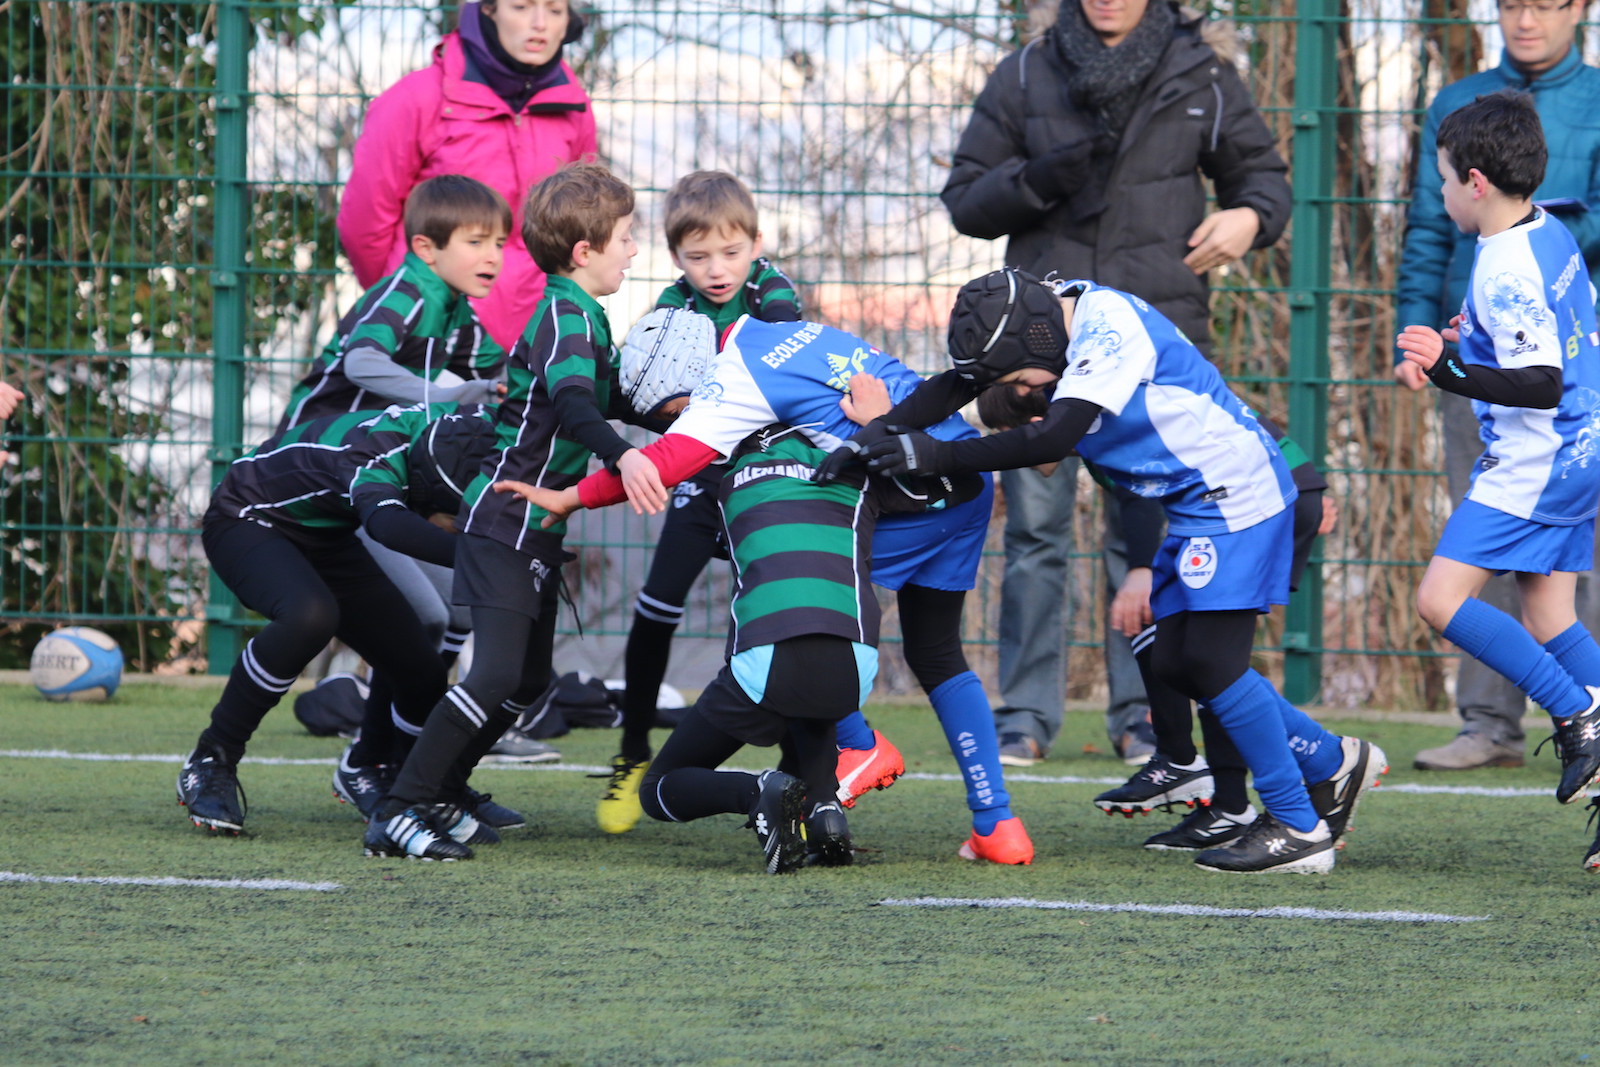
1087 149
10 397
1540 58
498 104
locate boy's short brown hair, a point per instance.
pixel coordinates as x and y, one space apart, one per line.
440 206
706 201
579 202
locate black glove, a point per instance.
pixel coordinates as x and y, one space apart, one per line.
847 456
904 452
1062 171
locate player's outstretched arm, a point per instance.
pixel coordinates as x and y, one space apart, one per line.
558 502
1047 440
642 482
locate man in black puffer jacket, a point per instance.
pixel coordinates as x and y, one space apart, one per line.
1088 149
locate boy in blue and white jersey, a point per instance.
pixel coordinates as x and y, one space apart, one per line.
797 373
1529 358
1131 394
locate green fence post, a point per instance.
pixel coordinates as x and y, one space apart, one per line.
1315 89
228 297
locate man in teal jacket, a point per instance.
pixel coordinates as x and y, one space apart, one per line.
1542 58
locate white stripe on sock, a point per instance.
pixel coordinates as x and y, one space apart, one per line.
466 705
258 674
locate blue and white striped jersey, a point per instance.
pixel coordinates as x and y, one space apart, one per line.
794 373
1530 304
1170 428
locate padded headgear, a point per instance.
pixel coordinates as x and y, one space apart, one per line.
667 354
1004 321
445 459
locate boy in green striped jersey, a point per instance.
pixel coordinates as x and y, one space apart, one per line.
578 225
803 648
414 337
715 239
281 534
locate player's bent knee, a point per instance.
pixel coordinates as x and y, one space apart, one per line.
650 797
314 619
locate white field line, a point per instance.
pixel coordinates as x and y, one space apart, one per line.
491 764
1187 910
199 883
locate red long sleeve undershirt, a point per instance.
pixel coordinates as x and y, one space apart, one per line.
676 456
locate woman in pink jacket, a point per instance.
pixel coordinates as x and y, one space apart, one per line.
500 105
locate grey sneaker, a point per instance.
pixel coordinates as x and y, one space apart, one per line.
1138 744
1468 752
1019 750
515 746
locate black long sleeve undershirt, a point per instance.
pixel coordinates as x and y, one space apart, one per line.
933 401
396 526
1049 440
1515 387
584 423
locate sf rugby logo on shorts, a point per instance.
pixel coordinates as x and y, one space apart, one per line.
1197 563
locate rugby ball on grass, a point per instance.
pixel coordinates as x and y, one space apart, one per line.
76 663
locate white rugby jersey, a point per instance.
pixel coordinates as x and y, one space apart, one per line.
1171 429
794 373
1530 304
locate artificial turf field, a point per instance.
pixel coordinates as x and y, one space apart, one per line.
669 945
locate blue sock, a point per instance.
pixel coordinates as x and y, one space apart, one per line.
853 732
1315 747
1249 710
968 723
1575 649
1496 640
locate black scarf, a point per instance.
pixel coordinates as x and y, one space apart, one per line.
1105 82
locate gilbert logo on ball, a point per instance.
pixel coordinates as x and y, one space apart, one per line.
1197 563
76 663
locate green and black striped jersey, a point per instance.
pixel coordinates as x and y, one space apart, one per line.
314 481
801 552
566 345
768 295
414 319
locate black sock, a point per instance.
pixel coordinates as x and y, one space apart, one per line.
690 793
1171 716
1227 766
455 784
210 739
644 665
255 685
375 739
447 735
450 647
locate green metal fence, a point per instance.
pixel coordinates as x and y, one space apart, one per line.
169 177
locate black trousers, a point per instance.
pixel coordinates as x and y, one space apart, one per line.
311 592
